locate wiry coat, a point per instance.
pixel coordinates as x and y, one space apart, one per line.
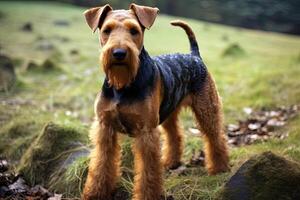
139 94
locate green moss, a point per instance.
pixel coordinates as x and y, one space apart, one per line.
273 177
71 181
266 176
48 152
16 136
32 66
234 50
48 65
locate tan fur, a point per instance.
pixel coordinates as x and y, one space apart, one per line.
207 108
143 116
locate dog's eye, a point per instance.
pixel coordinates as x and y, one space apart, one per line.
133 31
107 31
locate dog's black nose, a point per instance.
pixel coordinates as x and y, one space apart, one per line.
119 54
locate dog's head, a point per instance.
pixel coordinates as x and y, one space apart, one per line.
121 37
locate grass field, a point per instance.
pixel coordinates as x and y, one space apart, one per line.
264 72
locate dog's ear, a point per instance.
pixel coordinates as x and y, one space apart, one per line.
146 15
95 16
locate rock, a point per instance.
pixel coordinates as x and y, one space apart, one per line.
31 66
4 191
48 65
39 191
197 159
265 176
233 50
3 166
7 73
233 127
45 45
81 151
13 186
194 131
19 186
55 197
61 23
51 155
27 27
247 110
74 52
179 170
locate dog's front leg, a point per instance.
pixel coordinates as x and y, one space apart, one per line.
104 163
148 168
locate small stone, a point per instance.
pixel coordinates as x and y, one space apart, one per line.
7 73
4 191
48 65
39 191
254 126
55 197
275 123
19 186
179 171
74 52
61 23
233 127
247 110
31 66
198 159
194 131
3 165
45 45
27 27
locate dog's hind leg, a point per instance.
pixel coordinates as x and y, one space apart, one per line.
207 108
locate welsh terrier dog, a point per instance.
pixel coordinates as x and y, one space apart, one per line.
140 93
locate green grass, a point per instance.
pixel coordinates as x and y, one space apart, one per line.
266 75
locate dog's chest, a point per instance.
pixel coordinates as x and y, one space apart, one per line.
124 118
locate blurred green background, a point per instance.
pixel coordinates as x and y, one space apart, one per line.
270 15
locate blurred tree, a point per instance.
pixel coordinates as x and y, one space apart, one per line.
270 15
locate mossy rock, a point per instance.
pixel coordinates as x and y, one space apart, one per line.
7 73
234 50
264 177
71 181
49 155
16 137
32 66
47 66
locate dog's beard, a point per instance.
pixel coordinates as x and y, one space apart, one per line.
120 74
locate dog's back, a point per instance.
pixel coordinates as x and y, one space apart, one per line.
180 73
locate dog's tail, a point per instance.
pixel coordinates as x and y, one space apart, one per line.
193 42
